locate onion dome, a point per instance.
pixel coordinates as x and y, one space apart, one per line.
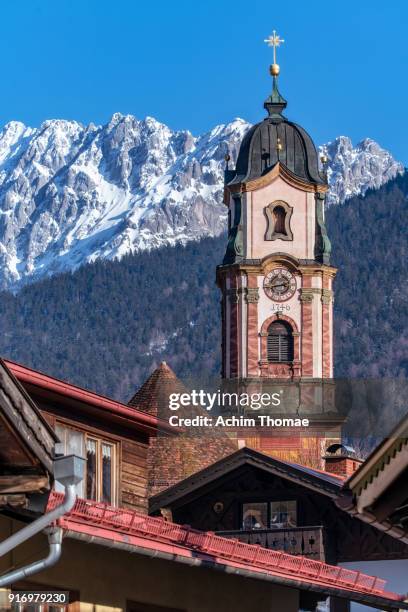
273 140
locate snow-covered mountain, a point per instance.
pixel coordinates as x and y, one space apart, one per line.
70 194
353 170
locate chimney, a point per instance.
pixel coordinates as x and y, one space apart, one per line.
341 460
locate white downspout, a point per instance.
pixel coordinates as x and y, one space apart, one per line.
69 471
55 544
41 523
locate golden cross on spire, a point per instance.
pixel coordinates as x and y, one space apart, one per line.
274 40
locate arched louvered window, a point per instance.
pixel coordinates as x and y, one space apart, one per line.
279 216
280 342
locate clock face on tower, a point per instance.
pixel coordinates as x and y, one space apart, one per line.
279 284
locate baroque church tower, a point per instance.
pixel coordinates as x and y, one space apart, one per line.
276 278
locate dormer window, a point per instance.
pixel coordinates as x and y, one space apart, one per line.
269 515
255 516
99 483
278 215
283 514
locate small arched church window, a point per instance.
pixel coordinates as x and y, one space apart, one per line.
280 342
278 215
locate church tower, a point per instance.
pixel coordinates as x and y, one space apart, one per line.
276 278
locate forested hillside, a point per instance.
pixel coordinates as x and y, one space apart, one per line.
370 249
106 325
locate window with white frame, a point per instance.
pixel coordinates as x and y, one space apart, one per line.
99 482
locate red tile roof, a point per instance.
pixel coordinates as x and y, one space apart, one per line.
38 379
131 528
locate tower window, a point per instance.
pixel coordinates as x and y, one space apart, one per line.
278 215
280 342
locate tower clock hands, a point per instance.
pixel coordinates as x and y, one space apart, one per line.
279 284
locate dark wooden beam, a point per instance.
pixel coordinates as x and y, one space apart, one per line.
23 483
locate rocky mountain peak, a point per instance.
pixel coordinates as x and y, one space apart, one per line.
353 170
70 194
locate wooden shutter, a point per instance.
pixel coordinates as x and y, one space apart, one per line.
280 342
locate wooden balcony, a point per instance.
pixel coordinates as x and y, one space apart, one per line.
305 541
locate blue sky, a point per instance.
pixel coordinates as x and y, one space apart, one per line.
195 64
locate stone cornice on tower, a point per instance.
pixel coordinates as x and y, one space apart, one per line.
261 266
279 170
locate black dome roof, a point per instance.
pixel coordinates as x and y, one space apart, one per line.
276 139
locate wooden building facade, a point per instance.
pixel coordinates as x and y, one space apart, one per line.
279 505
287 511
112 437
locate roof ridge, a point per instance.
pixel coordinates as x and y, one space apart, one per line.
323 481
